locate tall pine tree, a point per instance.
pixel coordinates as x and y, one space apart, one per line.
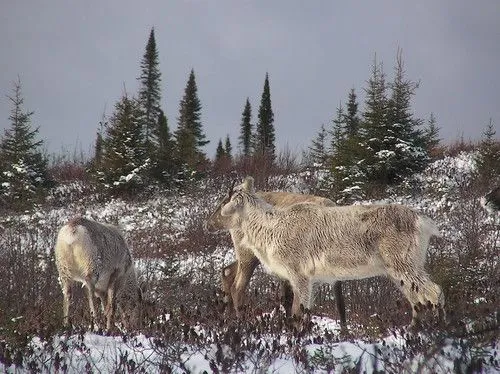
245 138
375 125
124 160
95 163
223 159
318 150
338 132
189 135
347 171
228 148
23 166
394 146
352 120
150 95
404 137
431 134
264 137
375 112
488 159
164 165
219 151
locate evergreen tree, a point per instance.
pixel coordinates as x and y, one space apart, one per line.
22 164
95 164
338 132
219 152
150 94
245 138
347 173
223 160
228 149
375 123
394 146
431 136
98 147
164 166
404 138
352 121
265 137
488 160
124 163
189 135
399 105
318 150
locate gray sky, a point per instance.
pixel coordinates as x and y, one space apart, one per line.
73 58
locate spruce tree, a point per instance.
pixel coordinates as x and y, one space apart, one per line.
265 137
404 139
375 124
228 149
22 163
399 104
318 150
150 95
95 163
338 132
431 135
488 160
245 138
377 140
394 145
189 135
219 152
347 173
223 160
124 162
164 165
352 120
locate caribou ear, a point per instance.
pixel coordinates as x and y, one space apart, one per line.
228 209
248 184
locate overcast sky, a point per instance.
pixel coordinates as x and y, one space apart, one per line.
74 57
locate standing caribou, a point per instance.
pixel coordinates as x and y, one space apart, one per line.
236 276
97 255
306 243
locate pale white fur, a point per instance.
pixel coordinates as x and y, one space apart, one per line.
305 243
97 255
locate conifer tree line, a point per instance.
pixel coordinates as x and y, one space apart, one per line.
138 146
377 145
135 144
367 146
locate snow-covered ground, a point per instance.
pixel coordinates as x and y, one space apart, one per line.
324 349
91 352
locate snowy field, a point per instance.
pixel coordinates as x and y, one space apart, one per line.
321 350
113 354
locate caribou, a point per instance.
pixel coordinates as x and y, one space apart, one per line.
236 276
306 243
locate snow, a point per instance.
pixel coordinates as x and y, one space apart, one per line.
106 354
98 353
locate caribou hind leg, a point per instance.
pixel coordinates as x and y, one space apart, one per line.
420 291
